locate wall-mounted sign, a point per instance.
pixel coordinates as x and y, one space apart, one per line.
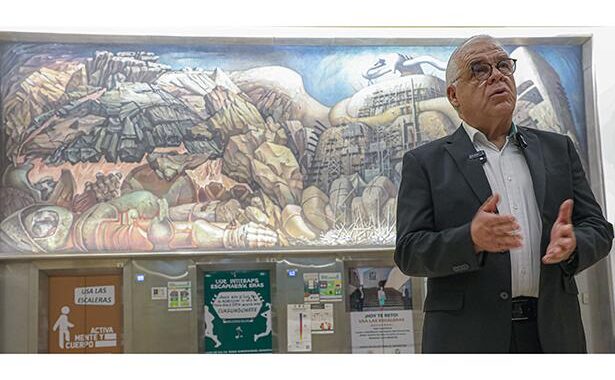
237 312
95 295
179 296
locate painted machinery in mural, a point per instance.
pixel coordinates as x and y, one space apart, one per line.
119 153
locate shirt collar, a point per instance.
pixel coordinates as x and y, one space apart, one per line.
471 131
474 133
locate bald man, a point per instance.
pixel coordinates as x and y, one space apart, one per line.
499 218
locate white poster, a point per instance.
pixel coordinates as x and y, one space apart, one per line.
382 332
299 328
322 318
95 295
159 293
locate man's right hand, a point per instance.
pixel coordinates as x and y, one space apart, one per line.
492 232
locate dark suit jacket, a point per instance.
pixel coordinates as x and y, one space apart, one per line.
468 304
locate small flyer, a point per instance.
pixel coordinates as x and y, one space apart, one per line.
322 318
299 328
159 293
330 286
179 296
311 288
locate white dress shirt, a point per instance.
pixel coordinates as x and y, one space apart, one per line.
509 176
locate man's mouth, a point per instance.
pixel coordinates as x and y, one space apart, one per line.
499 92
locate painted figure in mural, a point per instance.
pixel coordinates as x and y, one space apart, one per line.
499 218
63 326
137 221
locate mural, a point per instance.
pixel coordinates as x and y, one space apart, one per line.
130 148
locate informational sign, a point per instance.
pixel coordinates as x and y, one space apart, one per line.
311 287
330 286
322 318
95 295
159 293
382 332
237 312
299 328
179 296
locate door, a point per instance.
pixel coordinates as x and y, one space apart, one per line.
85 314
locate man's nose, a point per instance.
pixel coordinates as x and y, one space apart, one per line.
496 75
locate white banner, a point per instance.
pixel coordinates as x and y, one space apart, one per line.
95 295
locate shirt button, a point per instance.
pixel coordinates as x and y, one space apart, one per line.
515 207
509 179
504 295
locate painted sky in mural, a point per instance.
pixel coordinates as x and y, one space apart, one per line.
123 148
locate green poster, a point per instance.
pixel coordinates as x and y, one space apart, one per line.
237 312
330 286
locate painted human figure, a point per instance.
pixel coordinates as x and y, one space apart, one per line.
267 315
63 325
209 326
137 221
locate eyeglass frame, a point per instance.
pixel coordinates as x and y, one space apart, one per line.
491 66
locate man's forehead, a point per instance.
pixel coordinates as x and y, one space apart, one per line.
481 49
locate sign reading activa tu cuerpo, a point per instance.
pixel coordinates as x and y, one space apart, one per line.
95 295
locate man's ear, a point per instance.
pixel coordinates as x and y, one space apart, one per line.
451 93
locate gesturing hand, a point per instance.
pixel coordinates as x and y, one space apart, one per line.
563 241
493 232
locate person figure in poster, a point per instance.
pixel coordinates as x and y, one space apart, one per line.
63 324
361 297
209 327
407 299
382 296
267 315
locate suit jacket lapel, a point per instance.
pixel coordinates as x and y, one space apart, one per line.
536 164
460 148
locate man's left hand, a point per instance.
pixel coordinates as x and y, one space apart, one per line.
563 241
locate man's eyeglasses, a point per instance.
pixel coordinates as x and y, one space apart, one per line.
482 70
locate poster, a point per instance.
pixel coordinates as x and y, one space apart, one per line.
159 293
237 312
330 286
382 332
179 296
322 318
299 328
311 287
378 288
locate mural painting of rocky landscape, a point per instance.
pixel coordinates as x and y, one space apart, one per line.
136 148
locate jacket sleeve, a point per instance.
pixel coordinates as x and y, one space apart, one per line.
420 250
593 232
